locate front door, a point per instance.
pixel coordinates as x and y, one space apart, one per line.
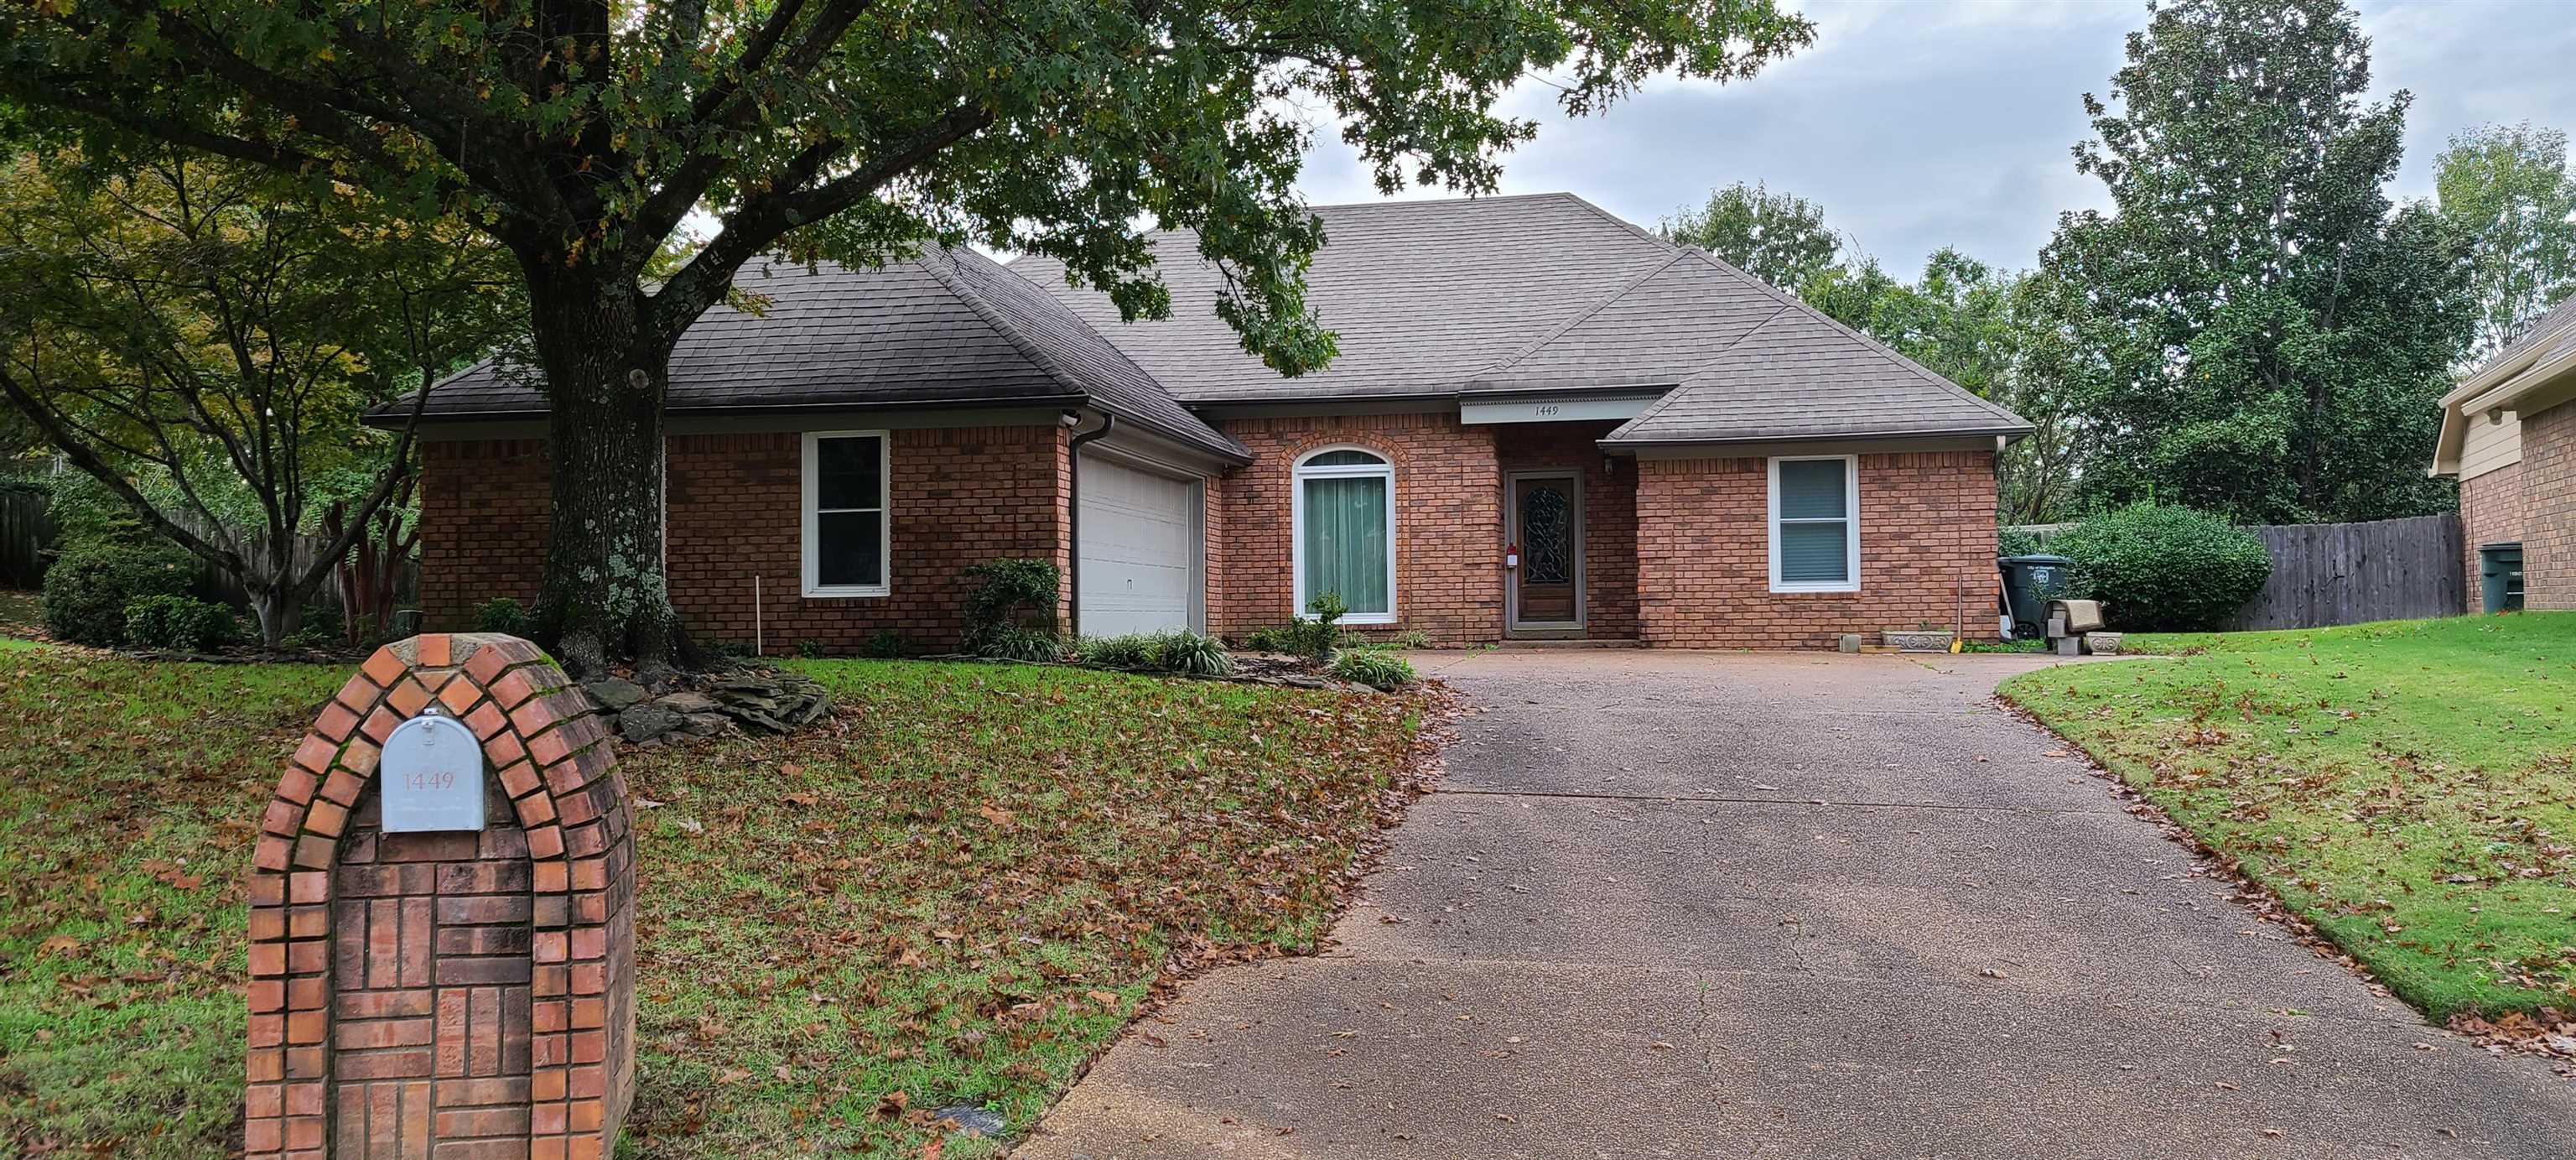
1547 523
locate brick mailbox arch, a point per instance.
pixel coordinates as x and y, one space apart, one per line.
462 994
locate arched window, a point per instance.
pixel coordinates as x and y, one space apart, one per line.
1345 532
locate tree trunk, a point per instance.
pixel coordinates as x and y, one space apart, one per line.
603 595
280 611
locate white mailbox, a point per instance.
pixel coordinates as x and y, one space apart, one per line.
432 774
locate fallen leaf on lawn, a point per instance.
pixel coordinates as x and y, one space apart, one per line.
803 799
1104 998
994 814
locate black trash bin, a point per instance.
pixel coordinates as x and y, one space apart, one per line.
2030 582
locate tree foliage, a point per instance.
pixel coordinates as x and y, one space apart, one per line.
580 134
1780 238
201 338
2509 189
2253 329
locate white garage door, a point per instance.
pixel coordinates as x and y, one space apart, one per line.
1139 548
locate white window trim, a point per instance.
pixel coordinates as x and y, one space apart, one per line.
1851 518
885 522
1384 469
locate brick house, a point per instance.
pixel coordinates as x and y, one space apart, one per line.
1544 422
2509 434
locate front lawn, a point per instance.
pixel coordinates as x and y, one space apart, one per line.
2405 786
954 894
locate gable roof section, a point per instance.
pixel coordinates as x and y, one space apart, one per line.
2529 374
1799 374
1651 332
1424 294
949 327
1538 293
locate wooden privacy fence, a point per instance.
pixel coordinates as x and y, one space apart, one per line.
25 532
2326 574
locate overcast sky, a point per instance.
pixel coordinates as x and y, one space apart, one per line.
1918 125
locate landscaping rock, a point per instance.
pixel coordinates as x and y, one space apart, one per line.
704 724
970 1118
643 723
615 694
687 701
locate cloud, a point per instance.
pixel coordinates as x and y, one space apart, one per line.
1918 126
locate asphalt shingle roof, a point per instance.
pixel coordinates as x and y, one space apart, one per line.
1438 299
1422 294
1546 293
947 327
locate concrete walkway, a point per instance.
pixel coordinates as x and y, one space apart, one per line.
1678 904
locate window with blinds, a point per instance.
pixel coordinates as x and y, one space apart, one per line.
1815 524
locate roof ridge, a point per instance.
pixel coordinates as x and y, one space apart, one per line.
1668 398
1872 344
953 277
974 300
1579 318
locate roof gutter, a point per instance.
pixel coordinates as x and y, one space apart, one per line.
2006 433
1073 513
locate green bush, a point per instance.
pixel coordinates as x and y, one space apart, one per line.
1178 651
885 645
810 649
501 614
1375 667
1132 651
178 624
1183 651
1022 644
1011 596
89 587
2016 542
2158 568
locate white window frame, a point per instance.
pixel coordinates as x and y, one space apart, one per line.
814 587
1851 521
1384 469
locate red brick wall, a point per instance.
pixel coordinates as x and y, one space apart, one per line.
484 507
2491 512
959 496
1448 513
1609 514
1703 553
465 994
2549 511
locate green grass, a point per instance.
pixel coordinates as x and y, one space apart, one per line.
22 614
957 892
2405 786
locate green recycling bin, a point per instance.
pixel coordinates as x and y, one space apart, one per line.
2500 577
2030 582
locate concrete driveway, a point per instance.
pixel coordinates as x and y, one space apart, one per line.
1680 904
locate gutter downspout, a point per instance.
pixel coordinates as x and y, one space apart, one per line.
1073 513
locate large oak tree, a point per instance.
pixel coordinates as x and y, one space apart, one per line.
581 134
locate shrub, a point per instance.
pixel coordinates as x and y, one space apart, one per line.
1375 667
1132 651
1183 651
1022 644
1008 596
2161 568
2016 542
501 614
178 624
88 588
810 649
885 645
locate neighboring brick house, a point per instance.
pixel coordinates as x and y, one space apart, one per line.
1544 422
2509 434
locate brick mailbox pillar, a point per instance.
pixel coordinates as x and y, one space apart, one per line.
455 994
